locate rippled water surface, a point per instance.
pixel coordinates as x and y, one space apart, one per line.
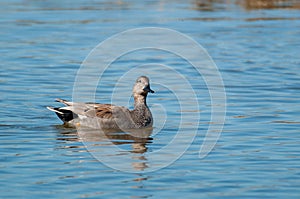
256 48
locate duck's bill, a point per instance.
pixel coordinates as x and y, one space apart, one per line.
148 89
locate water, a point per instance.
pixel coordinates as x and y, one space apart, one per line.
43 44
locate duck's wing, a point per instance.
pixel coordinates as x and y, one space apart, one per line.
100 111
65 102
86 109
104 111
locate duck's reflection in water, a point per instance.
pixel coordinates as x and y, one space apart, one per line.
129 145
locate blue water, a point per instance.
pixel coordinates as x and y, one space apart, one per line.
43 44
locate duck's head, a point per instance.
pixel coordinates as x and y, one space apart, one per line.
142 86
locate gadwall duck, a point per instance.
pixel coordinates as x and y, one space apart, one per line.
108 116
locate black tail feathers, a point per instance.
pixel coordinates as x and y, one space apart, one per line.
64 115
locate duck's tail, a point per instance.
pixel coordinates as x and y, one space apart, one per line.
63 114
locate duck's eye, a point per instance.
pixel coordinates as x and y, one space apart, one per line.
139 81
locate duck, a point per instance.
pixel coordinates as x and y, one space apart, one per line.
109 116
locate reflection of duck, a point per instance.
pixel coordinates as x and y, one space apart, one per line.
105 142
108 116
108 143
136 137
117 137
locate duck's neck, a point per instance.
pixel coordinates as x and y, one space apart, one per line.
141 114
140 101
